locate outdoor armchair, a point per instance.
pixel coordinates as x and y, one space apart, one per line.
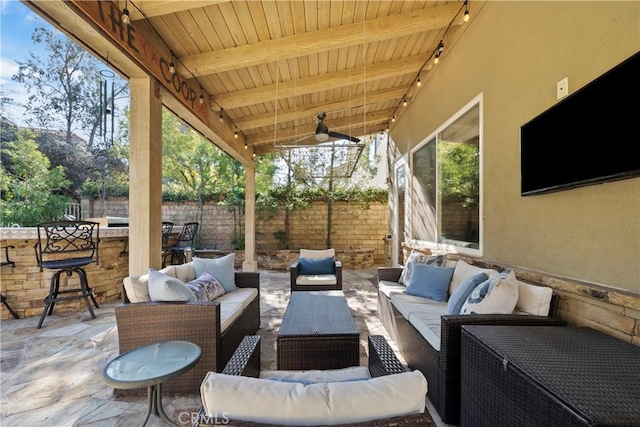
383 365
316 270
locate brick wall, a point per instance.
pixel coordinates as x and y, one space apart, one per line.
354 227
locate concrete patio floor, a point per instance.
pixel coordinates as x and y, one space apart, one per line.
53 376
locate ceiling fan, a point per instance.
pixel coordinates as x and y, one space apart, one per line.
323 133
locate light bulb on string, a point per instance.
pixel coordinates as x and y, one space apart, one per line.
221 116
125 14
172 66
393 118
201 95
418 83
404 102
466 12
235 135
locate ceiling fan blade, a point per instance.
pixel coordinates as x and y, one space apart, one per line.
339 135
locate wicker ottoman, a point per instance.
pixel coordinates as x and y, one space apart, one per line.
548 376
318 332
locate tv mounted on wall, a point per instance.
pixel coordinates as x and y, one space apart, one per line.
589 137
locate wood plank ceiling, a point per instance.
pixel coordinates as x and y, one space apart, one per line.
270 67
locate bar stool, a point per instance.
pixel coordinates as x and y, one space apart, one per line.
67 247
185 241
167 228
7 261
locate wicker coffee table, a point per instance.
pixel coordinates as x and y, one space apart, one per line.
318 332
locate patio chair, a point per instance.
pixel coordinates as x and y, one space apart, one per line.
67 247
400 403
8 261
186 241
316 270
167 228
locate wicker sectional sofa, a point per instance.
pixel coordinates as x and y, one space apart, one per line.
430 340
217 326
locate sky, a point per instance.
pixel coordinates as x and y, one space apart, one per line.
17 23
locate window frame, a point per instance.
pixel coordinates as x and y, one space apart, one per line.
437 246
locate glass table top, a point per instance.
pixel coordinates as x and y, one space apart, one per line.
151 364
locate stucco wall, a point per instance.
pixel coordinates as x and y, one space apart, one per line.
513 53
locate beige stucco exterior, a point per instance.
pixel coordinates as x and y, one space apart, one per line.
513 55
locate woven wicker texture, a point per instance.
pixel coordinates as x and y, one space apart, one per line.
441 368
318 332
144 323
547 375
382 361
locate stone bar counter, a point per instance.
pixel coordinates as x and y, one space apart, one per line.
25 287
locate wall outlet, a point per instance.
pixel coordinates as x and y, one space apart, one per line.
562 88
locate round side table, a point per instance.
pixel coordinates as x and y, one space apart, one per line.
149 366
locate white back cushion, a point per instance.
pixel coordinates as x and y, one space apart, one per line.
312 253
272 402
534 300
463 270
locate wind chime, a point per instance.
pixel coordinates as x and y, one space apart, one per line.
106 106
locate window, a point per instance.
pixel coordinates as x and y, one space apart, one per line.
446 184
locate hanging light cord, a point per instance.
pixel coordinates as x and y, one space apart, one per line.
435 53
173 56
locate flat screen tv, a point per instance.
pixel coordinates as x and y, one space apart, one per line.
591 136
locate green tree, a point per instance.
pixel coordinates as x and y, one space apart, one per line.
195 169
65 100
28 185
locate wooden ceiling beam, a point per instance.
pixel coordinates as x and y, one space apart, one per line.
349 125
393 26
307 112
304 86
153 8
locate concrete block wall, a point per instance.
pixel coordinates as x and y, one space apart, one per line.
354 227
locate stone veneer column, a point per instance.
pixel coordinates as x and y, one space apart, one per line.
250 263
145 175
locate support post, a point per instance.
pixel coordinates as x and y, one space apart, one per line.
145 185
250 263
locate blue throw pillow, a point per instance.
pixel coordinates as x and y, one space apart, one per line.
311 266
460 295
430 282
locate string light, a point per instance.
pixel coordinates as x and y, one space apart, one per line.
174 60
246 146
125 14
436 54
172 66
439 51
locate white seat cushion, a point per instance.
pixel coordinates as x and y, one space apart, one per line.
233 304
390 288
321 375
276 402
318 279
